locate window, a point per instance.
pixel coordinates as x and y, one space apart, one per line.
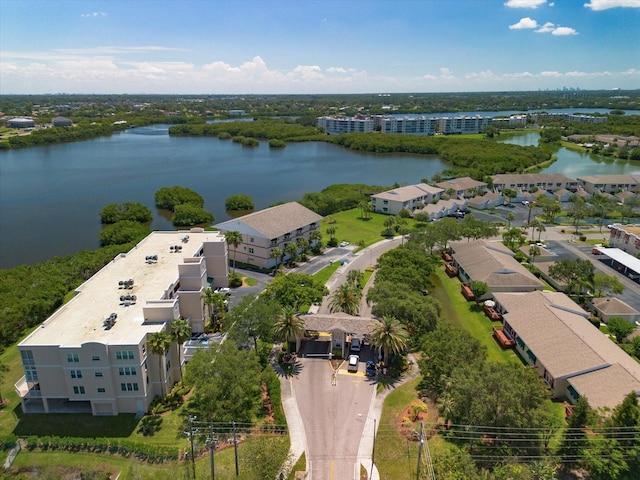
128 371
78 390
73 357
287 236
124 355
251 250
76 373
101 390
98 374
95 358
129 387
30 373
251 239
27 357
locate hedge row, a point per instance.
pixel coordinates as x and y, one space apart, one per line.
124 448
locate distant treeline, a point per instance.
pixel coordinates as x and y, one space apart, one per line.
264 129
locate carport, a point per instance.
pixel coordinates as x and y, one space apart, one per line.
336 330
623 262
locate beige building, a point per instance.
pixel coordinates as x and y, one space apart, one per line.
553 334
493 264
408 198
267 229
606 308
463 187
524 182
609 183
625 237
92 354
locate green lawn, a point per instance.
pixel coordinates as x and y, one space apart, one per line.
462 314
352 228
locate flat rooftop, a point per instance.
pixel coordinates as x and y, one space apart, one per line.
81 319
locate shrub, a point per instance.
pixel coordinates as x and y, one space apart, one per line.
117 212
122 232
187 215
235 280
169 197
332 242
239 201
276 143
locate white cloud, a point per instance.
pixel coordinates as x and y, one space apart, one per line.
597 5
525 3
524 23
93 14
546 28
563 31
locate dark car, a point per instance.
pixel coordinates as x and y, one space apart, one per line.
370 369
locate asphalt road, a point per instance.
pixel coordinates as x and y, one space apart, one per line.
333 415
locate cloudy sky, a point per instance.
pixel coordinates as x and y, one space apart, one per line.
321 46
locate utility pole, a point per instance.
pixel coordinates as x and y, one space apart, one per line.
193 457
235 447
211 441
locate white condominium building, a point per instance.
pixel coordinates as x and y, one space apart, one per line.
92 355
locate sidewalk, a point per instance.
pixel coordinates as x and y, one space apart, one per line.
366 453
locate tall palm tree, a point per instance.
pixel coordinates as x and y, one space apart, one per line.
233 237
316 236
303 244
277 254
159 344
180 332
510 218
209 299
346 299
355 276
390 336
534 251
288 326
292 250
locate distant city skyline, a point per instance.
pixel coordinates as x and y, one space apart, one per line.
306 47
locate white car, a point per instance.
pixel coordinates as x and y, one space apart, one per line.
224 290
344 244
352 366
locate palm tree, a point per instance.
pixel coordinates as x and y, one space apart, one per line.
346 299
159 344
277 254
534 225
303 244
355 276
180 332
534 251
292 250
316 236
288 326
390 336
541 228
209 299
233 237
331 231
510 218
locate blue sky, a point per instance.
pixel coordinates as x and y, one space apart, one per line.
323 46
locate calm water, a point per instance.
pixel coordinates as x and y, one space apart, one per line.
50 197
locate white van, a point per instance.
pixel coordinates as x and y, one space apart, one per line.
355 344
352 366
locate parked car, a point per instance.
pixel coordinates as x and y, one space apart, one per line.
355 344
352 365
371 369
224 290
344 244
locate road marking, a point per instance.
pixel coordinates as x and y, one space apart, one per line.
331 468
354 374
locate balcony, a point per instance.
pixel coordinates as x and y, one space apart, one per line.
26 389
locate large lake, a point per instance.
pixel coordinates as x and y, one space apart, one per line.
50 197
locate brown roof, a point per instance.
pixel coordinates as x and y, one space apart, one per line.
494 264
613 306
605 387
274 221
463 183
339 322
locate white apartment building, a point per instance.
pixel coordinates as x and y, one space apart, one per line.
459 125
338 125
408 198
409 125
92 354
